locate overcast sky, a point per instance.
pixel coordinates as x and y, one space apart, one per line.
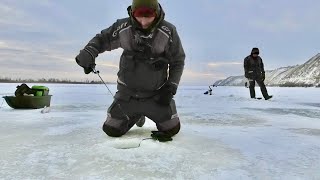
40 38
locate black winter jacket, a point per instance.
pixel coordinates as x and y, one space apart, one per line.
148 60
254 68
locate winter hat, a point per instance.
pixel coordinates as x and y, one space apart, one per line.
255 50
145 8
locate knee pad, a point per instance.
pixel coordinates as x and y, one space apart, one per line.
111 131
173 131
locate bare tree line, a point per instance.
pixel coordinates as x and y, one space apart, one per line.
50 80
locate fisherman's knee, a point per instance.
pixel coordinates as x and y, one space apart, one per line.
170 127
173 131
112 131
114 127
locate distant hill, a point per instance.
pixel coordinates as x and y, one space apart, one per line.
305 75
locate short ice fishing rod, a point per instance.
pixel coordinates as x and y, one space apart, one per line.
156 135
97 72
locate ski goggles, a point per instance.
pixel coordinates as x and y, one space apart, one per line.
144 12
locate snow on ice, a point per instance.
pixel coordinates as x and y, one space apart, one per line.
223 136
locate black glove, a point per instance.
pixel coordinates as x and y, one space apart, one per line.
88 70
166 93
86 59
246 74
161 136
263 76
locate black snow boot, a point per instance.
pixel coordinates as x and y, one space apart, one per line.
268 97
141 121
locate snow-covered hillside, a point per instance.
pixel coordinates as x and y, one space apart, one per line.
307 74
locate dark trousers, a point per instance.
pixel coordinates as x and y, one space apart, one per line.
262 87
126 111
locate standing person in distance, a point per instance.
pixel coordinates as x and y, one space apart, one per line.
254 72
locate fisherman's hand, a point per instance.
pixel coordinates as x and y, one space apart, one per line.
161 136
166 93
246 75
88 70
86 59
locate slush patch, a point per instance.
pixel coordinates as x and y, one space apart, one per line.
129 143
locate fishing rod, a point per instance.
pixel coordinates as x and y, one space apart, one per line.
154 137
98 73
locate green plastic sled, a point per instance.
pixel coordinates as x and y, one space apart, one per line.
28 102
